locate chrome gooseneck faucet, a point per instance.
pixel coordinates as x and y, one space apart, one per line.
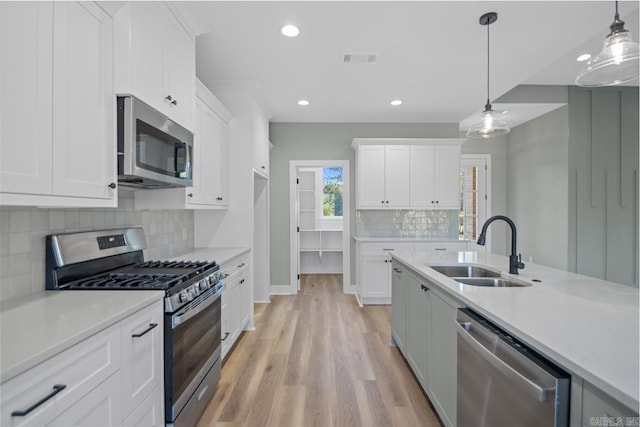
515 261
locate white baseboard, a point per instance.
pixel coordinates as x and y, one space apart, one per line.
281 290
262 302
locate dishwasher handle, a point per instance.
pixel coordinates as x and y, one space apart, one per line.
540 393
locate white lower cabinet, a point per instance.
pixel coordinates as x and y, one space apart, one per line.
87 384
418 330
430 340
149 413
142 356
99 407
592 406
236 300
399 291
443 356
374 265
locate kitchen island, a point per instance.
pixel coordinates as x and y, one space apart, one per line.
589 327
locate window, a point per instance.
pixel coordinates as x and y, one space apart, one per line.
332 190
473 196
468 218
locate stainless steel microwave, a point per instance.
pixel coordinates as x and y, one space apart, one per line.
153 151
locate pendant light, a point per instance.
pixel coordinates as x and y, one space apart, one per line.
490 125
618 61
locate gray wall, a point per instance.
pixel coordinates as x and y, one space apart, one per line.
537 187
603 183
323 141
23 231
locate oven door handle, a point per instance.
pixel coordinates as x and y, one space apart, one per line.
189 312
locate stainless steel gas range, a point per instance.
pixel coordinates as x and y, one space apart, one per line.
113 260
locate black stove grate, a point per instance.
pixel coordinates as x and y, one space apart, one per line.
150 275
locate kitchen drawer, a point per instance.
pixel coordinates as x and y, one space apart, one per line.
378 249
441 246
80 369
235 265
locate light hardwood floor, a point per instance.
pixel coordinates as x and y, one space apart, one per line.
317 359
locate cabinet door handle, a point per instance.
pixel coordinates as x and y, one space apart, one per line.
241 265
169 98
174 102
241 281
437 201
56 389
112 186
190 194
263 167
151 326
397 270
219 198
226 334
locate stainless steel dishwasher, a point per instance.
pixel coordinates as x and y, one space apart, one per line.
502 382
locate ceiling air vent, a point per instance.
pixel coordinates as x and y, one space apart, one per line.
359 58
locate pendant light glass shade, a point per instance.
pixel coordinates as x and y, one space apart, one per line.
618 62
490 125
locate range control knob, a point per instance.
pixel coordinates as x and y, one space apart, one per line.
204 284
185 296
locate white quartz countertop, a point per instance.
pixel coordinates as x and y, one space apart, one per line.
407 239
219 255
35 329
588 326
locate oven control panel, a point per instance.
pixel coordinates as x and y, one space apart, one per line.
192 291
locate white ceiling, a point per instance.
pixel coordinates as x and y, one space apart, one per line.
430 54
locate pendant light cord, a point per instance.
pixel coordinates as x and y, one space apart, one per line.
488 103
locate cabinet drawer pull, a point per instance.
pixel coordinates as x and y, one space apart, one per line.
242 281
226 334
385 249
56 389
241 265
151 326
219 198
440 249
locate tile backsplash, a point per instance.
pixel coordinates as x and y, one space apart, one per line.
23 231
431 224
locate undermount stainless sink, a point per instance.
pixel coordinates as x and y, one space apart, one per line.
476 275
463 270
492 282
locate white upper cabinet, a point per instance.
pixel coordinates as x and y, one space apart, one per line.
435 176
447 176
211 152
83 99
156 60
57 142
407 173
422 195
370 176
262 145
396 176
383 176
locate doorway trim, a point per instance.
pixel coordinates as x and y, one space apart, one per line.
346 220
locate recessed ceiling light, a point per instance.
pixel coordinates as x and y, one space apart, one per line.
303 102
583 57
290 30
396 102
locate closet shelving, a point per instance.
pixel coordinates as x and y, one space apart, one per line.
320 246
